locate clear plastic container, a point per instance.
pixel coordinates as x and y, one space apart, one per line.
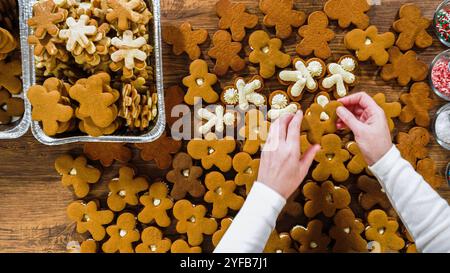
444 110
441 61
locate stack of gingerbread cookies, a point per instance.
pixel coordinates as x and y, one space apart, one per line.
340 208
101 46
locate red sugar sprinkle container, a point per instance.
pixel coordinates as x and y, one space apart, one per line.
440 75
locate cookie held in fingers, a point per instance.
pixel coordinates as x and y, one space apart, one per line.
383 230
153 242
311 238
160 151
279 243
107 153
125 189
221 195
156 204
347 231
320 120
200 83
372 193
331 159
316 36
281 15
234 17
391 109
247 170
226 53
417 104
122 235
341 76
348 12
326 199
77 173
192 221
89 219
184 39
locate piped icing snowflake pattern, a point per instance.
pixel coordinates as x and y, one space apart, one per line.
340 76
217 119
244 93
281 105
128 49
77 35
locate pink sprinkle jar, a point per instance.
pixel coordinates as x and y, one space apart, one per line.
440 75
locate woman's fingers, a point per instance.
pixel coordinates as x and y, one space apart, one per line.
293 134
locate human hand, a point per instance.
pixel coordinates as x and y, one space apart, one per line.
369 125
282 168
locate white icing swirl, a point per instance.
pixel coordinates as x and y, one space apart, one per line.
231 96
348 64
315 68
279 101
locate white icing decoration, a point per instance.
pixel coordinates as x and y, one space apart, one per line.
322 100
348 64
279 101
128 49
218 119
301 78
324 116
231 96
315 68
339 76
274 114
247 94
77 33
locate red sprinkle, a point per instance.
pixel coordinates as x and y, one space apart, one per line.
440 76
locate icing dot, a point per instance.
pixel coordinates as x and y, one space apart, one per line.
192 219
123 233
211 150
186 172
381 231
249 170
324 116
348 64
156 202
153 248
200 81
219 191
330 156
231 96
313 245
278 251
122 193
85 218
322 100
329 198
73 171
368 41
265 49
315 68
347 230
279 101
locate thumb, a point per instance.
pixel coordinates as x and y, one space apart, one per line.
348 118
308 158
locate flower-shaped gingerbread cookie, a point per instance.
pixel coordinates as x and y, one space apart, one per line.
347 231
404 67
77 173
311 238
316 36
200 83
384 231
180 246
427 169
279 243
218 235
153 241
10 73
369 44
412 27
247 170
412 145
48 108
372 193
122 235
156 204
107 153
184 39
357 164
185 177
45 17
10 107
280 105
89 219
218 119
254 131
212 152
325 199
226 53
281 15
244 93
124 190
191 220
391 109
267 53
160 151
221 195
348 12
320 119
233 17
417 104
341 75
331 160
303 77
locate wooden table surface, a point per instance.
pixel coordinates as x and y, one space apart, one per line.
32 200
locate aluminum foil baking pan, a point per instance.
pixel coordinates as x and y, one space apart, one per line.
155 60
19 127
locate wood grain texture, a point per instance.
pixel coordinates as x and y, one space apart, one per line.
32 200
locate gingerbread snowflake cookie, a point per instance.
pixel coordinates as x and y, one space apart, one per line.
341 76
244 93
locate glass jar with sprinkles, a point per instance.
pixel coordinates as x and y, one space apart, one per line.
441 126
441 22
440 75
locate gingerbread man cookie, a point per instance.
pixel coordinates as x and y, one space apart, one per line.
153 242
213 152
311 238
391 109
316 36
427 169
77 173
233 17
412 145
412 27
200 83
281 15
122 235
160 151
89 219
221 195
247 170
156 204
304 77
10 107
325 199
180 246
357 164
369 44
226 53
255 131
10 73
124 13
347 231
125 189
292 208
384 231
341 75
348 12
46 16
244 93
218 235
185 177
331 158
320 119
417 104
107 153
191 220
184 39
372 193
267 53
279 243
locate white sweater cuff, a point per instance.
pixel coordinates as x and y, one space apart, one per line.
269 201
383 166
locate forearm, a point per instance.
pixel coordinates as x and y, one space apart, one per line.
253 224
425 214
